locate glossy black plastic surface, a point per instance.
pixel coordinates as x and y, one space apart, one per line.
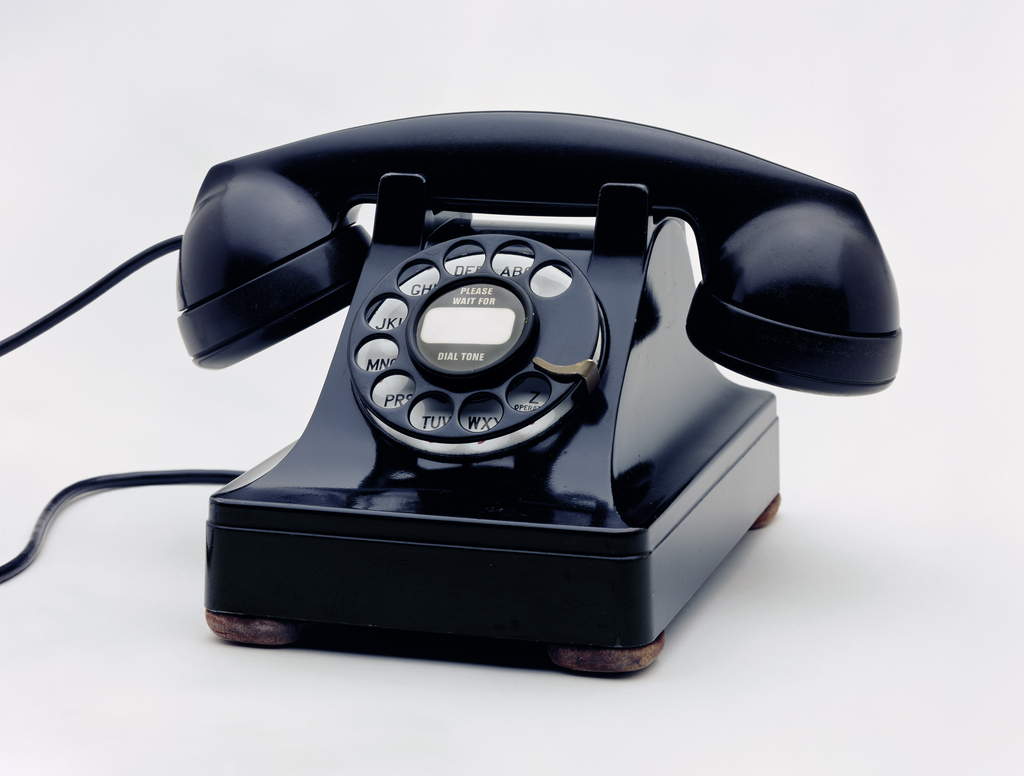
789 250
594 533
283 300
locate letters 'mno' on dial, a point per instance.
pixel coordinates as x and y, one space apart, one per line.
377 354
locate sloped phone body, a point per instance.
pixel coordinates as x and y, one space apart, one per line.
520 435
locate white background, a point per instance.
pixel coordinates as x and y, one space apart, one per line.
876 627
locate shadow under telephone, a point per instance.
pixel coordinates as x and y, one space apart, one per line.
520 435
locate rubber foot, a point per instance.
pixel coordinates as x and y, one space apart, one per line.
606 660
768 515
254 630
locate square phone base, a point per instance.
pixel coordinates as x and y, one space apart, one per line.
513 441
598 598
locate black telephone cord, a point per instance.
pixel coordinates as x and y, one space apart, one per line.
90 294
108 482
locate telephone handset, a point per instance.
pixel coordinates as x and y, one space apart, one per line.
796 288
516 438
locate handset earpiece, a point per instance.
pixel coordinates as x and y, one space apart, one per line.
260 261
801 297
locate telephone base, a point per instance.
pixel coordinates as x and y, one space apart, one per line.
584 586
258 631
591 532
264 632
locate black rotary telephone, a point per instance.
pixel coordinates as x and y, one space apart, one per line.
521 435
